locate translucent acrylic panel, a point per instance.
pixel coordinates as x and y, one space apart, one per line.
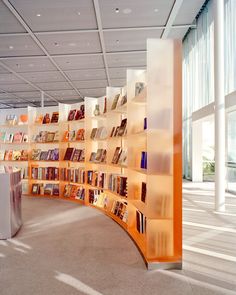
159 200
159 239
135 180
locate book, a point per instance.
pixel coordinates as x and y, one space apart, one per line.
43 156
72 135
9 137
36 154
122 128
54 156
8 155
55 117
2 155
67 189
143 191
24 155
71 115
123 158
116 155
99 155
123 100
46 119
93 133
35 189
48 189
39 119
80 134
69 154
76 155
25 138
56 136
55 190
50 136
112 131
16 155
17 137
115 102
139 86
116 131
92 157
103 157
79 115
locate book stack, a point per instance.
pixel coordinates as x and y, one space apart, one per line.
49 155
99 156
99 133
46 136
18 137
120 130
120 209
98 198
118 184
12 155
46 119
76 114
44 173
76 175
48 189
74 191
73 135
96 178
75 155
119 157
140 222
11 120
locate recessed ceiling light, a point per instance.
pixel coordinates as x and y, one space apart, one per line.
78 12
17 65
127 11
56 44
72 44
117 10
117 41
38 14
156 9
67 62
11 47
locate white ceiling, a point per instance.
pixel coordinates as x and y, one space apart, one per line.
75 48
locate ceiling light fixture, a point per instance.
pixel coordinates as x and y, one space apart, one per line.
117 41
117 10
78 12
156 9
56 44
38 14
11 47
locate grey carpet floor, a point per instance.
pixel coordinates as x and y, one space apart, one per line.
64 248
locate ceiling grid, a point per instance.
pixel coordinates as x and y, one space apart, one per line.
75 48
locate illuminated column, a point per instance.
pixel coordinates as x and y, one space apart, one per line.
218 6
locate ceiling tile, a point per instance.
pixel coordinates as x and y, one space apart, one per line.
38 77
90 84
68 43
35 64
188 11
118 82
77 62
94 92
117 73
8 23
60 93
96 74
129 40
17 87
3 71
29 94
9 79
70 98
54 85
18 46
133 14
177 33
57 15
5 96
126 59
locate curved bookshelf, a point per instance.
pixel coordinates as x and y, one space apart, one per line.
151 210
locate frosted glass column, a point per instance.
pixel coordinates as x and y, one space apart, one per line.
219 105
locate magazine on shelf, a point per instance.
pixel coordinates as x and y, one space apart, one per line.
2 155
115 102
2 136
80 134
36 154
69 154
46 119
55 117
71 115
116 155
122 128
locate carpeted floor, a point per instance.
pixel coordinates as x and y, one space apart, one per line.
64 248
